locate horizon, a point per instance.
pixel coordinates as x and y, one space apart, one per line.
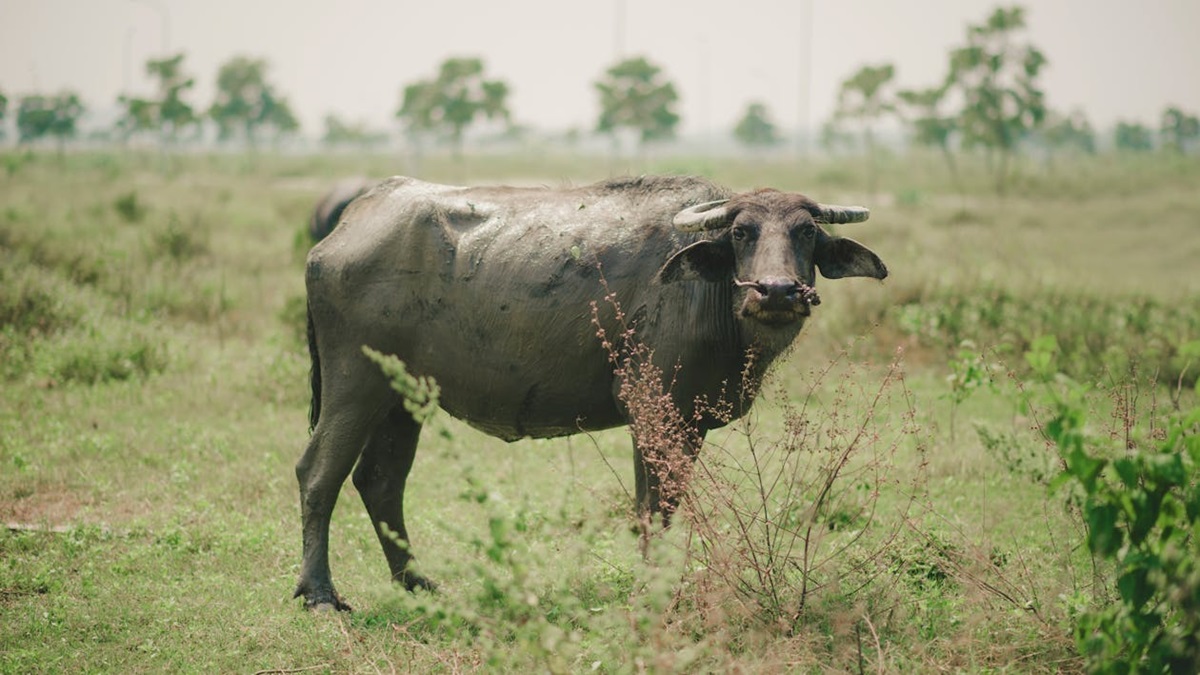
1129 64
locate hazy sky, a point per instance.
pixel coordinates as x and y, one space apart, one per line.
1118 60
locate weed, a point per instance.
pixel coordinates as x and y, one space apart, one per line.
178 243
1095 335
129 208
294 317
1142 509
29 307
772 532
92 359
420 393
796 519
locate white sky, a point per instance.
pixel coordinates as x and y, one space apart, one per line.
1117 59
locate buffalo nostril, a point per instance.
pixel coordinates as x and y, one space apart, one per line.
779 289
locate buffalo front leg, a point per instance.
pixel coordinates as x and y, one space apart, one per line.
660 474
336 443
380 477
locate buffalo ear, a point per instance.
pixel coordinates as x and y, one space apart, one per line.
703 260
838 257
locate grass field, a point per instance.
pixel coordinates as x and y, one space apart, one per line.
885 508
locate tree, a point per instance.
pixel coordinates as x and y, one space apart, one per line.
1133 137
174 114
931 127
834 139
756 129
1070 132
453 100
246 102
168 113
635 94
997 78
3 113
140 115
39 116
339 132
1178 129
864 99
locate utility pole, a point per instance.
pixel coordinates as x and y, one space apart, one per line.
619 30
805 79
165 17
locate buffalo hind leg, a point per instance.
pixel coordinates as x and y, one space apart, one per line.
336 443
379 478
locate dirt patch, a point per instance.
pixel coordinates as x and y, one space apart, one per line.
42 506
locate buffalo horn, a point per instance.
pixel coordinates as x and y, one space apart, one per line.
704 216
836 215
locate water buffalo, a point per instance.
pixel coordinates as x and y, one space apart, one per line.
329 209
490 291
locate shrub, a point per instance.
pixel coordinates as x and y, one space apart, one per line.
1096 334
792 522
179 243
1142 510
93 359
129 208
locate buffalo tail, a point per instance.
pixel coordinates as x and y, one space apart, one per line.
314 409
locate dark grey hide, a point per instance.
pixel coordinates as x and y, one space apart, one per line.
489 291
329 209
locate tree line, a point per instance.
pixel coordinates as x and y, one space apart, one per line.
990 101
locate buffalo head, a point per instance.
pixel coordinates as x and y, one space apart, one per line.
770 245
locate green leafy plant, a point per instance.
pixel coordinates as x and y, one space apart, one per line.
1136 494
129 208
420 393
968 373
1143 515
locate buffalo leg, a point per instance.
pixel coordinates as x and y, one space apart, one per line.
379 478
336 443
660 478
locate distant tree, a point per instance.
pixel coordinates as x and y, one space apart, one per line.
138 115
246 103
453 100
39 116
174 114
931 128
1133 137
339 132
3 113
756 129
635 94
1178 129
1072 131
834 138
167 113
997 78
864 99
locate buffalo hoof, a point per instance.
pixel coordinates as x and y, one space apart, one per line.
335 604
319 601
413 581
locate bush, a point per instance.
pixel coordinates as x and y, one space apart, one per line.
129 208
1097 335
1142 511
178 243
92 359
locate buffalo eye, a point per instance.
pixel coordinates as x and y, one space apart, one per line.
741 233
807 231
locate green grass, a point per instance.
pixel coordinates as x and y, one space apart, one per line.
153 402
